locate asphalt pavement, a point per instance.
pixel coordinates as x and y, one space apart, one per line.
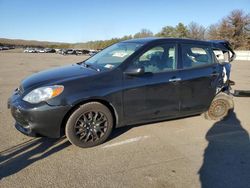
189 152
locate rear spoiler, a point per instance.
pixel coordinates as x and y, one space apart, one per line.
225 46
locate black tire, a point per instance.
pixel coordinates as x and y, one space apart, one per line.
221 105
89 125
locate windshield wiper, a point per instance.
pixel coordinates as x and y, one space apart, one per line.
90 66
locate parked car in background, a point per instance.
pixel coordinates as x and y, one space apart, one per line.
85 52
57 50
69 52
41 50
60 51
4 48
25 50
131 82
49 50
93 52
29 50
79 52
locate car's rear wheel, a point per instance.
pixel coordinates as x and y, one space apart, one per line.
220 107
89 125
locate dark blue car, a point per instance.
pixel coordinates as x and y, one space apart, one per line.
131 82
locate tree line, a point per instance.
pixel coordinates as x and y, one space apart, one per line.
235 28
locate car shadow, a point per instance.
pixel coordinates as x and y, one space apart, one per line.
120 131
226 161
16 158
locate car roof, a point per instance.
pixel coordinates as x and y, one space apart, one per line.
159 39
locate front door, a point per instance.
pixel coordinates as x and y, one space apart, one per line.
154 94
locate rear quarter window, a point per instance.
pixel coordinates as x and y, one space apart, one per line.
222 56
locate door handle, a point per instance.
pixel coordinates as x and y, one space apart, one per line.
174 79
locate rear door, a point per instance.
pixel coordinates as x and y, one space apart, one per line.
200 75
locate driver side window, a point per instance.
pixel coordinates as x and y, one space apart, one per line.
157 59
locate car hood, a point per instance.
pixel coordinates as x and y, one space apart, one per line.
56 75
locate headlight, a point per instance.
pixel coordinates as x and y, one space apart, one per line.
43 94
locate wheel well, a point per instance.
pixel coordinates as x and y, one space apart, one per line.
107 104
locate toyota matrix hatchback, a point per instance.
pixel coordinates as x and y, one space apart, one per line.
131 82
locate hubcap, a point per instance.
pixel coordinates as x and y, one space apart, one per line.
218 108
91 126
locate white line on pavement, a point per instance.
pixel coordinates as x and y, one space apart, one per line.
126 141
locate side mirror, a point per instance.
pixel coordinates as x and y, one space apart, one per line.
135 71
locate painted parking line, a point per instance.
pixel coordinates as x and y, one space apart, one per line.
136 139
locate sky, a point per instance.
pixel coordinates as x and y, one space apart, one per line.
84 20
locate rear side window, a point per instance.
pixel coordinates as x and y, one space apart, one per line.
196 55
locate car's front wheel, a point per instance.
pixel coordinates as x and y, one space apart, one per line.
89 125
220 107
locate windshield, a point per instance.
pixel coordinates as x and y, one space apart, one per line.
112 56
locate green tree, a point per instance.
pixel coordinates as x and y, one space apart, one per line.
167 31
181 31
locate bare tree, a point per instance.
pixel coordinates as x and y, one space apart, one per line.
213 32
240 26
234 28
196 31
225 30
144 33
